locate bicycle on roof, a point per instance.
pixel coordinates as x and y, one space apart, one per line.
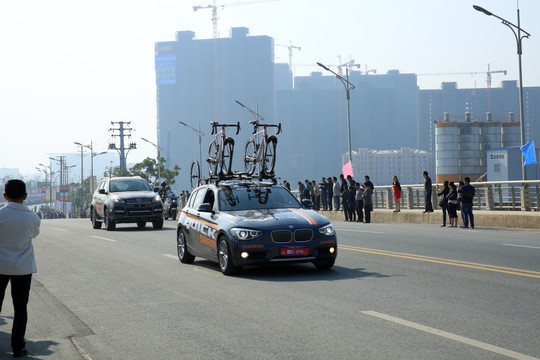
261 148
220 150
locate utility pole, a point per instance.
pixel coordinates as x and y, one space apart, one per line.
122 150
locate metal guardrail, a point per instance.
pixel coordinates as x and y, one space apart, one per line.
490 195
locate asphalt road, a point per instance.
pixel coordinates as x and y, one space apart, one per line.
397 291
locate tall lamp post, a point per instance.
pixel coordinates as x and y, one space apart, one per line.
82 172
348 87
200 134
158 148
517 30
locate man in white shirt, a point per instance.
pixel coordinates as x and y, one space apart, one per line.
18 225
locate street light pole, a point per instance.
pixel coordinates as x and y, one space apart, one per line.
348 87
519 37
158 148
82 173
200 134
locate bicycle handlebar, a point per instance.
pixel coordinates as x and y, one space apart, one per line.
215 124
256 124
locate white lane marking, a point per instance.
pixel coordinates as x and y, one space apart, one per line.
59 229
170 256
447 335
523 246
102 238
362 231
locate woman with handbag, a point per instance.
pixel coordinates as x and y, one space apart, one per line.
444 202
452 204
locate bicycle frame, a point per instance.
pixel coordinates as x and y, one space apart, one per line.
220 139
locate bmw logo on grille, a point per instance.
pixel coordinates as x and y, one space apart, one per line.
291 227
139 200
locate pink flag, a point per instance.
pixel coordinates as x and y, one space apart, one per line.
347 169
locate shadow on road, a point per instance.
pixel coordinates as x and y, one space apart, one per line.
294 272
36 349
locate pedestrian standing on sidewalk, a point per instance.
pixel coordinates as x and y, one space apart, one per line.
345 203
368 204
397 193
444 202
452 204
18 226
427 192
359 203
336 190
467 192
330 193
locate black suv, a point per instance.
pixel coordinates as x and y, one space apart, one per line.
126 200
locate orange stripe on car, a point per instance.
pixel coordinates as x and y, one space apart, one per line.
202 221
305 216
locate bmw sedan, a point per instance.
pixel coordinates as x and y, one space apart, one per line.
239 223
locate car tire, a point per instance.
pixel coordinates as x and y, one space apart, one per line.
141 224
157 224
184 255
109 224
224 257
324 264
95 224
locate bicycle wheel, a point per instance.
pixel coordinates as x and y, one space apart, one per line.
250 156
195 174
226 161
269 162
213 150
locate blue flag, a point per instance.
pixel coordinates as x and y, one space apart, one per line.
529 153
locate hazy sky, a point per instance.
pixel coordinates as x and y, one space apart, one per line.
68 67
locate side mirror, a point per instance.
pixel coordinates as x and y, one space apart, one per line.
307 203
101 191
156 189
206 207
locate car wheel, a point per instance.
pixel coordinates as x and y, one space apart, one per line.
141 224
224 256
95 224
183 254
109 224
157 224
324 264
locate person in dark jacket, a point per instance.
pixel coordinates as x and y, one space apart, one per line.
345 202
368 204
444 201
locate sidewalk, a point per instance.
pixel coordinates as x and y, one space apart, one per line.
482 218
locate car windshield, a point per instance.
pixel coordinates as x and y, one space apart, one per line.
254 197
128 185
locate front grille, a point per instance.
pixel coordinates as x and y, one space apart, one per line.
140 201
303 235
281 236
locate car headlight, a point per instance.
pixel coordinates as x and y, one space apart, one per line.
245 234
328 230
116 199
157 198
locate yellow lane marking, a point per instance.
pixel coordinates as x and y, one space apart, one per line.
447 335
171 256
465 264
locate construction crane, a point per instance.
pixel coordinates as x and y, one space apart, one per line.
488 80
214 8
291 47
349 65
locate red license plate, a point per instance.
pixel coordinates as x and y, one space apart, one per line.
294 251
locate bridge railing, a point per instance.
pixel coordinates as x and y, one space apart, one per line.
490 195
